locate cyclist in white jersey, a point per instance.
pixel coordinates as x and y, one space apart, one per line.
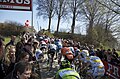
97 69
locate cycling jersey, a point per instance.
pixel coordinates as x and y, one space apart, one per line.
52 46
77 52
38 52
97 67
95 61
67 73
72 49
59 45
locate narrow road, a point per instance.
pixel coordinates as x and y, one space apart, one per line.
45 73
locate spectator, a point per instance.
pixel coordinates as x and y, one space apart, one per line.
101 53
115 60
22 70
29 49
24 56
10 58
19 46
105 55
114 52
3 66
10 55
109 56
92 50
12 41
97 52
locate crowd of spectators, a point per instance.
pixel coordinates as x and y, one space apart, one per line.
16 59
109 55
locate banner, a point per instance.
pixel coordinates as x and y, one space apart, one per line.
112 70
24 5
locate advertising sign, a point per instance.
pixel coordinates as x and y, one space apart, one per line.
112 70
24 5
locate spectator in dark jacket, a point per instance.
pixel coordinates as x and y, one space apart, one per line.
29 49
114 52
19 47
12 41
115 60
9 58
101 53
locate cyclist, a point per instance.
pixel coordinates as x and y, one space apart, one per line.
58 43
51 52
43 46
67 53
38 54
66 72
94 63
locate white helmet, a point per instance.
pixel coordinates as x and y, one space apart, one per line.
84 53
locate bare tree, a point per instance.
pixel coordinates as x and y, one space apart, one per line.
74 9
61 11
110 21
46 9
90 10
113 5
96 14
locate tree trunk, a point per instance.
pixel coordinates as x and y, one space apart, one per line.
73 23
90 34
49 24
58 23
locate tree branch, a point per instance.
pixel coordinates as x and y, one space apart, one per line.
117 12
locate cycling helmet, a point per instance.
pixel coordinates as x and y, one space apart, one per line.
84 53
65 64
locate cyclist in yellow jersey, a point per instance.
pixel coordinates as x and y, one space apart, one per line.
66 72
